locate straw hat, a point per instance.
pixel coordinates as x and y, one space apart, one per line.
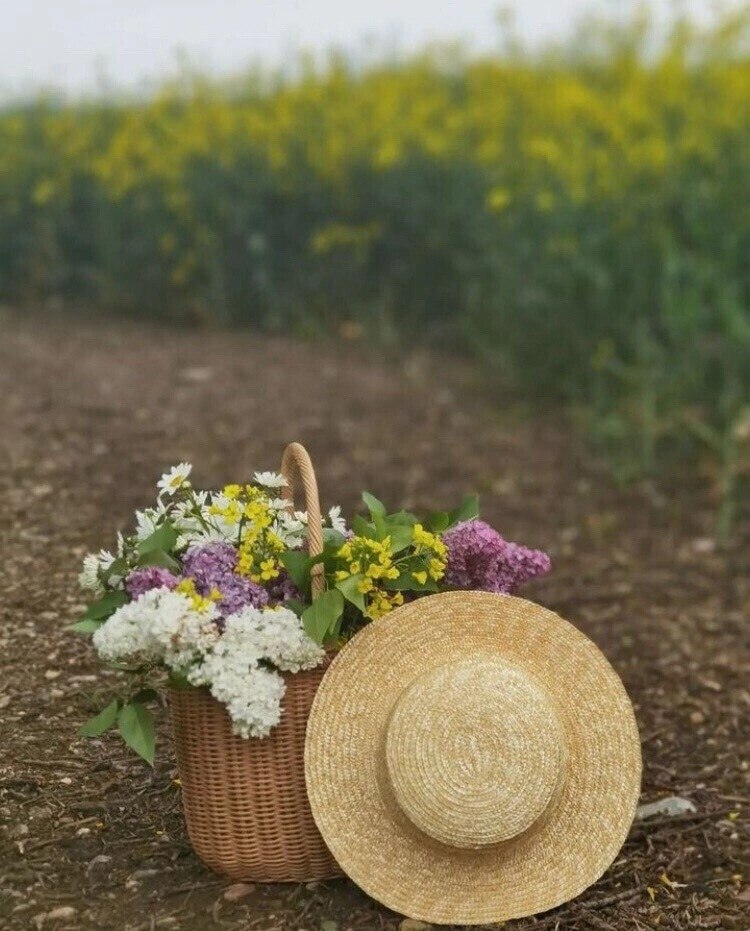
472 758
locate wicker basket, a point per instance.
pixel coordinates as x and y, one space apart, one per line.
245 801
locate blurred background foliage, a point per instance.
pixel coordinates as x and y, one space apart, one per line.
577 219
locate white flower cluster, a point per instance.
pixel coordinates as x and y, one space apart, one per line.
233 668
162 626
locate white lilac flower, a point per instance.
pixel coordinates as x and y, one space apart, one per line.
252 695
159 626
337 521
231 667
269 480
127 635
184 633
279 637
173 480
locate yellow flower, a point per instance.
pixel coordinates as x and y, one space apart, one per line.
268 570
365 586
231 491
436 569
341 574
187 587
420 577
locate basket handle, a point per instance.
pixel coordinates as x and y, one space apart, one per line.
296 464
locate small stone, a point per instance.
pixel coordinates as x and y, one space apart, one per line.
411 924
697 717
670 807
61 913
98 864
51 674
238 891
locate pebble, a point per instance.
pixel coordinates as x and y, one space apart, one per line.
671 807
238 891
61 913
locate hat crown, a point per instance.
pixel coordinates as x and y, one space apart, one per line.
474 752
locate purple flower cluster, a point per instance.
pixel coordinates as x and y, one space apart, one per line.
211 566
479 558
143 580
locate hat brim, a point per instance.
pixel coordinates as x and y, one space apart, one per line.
562 853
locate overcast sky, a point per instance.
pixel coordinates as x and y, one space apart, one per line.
71 43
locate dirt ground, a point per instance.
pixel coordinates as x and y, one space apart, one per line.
92 412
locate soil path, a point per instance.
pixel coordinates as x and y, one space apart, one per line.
91 414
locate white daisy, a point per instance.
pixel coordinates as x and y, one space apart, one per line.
337 521
177 476
89 576
269 480
278 504
145 523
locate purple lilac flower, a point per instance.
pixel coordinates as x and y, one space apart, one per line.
147 578
238 592
206 565
479 558
212 566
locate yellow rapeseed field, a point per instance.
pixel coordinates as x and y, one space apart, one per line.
580 217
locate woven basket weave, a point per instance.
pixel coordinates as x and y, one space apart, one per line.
245 801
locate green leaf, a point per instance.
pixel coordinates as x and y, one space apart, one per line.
363 529
438 521
379 522
295 606
137 729
178 681
402 535
99 611
145 695
87 626
159 558
467 510
375 507
333 540
319 618
119 567
99 724
163 538
406 583
298 564
349 588
403 517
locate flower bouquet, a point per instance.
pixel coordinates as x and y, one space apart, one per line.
233 601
